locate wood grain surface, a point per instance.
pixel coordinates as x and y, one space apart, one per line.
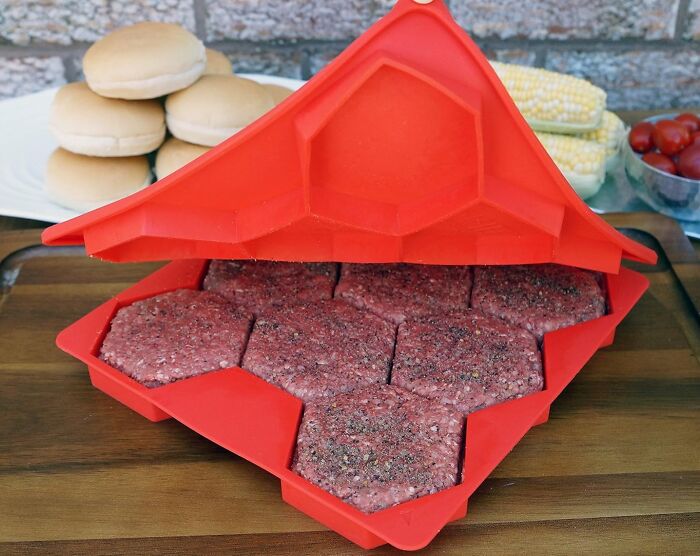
616 470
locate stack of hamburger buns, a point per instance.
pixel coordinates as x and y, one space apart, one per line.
142 82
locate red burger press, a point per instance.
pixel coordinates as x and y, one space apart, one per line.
405 148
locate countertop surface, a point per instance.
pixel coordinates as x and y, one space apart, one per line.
616 470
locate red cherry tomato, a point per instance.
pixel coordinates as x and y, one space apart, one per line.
689 162
690 121
694 139
660 162
640 137
670 136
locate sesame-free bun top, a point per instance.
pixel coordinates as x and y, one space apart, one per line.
145 60
217 63
214 108
174 154
277 92
83 122
83 183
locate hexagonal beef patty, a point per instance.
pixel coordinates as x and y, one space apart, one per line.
258 285
320 349
466 359
540 298
379 446
400 291
175 335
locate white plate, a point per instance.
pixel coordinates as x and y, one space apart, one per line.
25 146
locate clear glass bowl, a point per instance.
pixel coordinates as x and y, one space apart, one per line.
671 195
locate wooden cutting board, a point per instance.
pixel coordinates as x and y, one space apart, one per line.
615 471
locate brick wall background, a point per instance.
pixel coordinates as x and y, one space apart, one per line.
645 53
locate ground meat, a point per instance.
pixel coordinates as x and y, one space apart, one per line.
175 335
258 285
400 291
319 349
466 359
379 446
540 298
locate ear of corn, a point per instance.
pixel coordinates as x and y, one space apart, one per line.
557 107
610 134
581 161
553 102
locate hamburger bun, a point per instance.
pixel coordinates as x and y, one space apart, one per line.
217 63
83 183
83 122
214 108
143 61
174 154
277 92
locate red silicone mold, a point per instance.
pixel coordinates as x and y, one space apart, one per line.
405 148
258 421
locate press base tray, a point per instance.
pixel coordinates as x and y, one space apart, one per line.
258 421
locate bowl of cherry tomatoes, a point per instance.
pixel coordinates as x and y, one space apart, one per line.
662 161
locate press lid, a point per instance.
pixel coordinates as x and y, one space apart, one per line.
405 148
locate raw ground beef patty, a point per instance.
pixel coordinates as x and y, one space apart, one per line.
541 298
400 291
319 349
379 446
175 335
258 285
466 359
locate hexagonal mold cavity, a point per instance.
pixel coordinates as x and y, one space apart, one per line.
403 172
